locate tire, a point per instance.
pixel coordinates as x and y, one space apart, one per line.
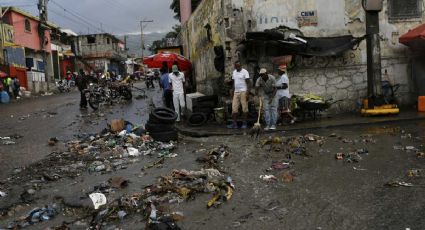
209 104
126 93
163 115
197 119
158 128
165 136
203 110
93 102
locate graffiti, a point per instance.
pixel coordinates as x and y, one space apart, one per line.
271 20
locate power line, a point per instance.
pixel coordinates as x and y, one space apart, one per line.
76 15
84 18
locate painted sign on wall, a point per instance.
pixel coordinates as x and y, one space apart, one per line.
307 18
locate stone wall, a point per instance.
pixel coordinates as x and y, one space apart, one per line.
342 77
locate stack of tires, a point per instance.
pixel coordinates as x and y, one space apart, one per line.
203 110
161 125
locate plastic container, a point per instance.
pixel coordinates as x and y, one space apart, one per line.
421 103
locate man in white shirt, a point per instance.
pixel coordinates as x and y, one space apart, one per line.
241 85
177 79
282 85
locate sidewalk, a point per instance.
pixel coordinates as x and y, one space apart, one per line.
341 120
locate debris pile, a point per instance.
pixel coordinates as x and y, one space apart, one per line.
154 201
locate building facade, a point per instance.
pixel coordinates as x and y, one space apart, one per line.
219 33
100 53
23 49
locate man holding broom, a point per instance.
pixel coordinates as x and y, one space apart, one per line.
267 84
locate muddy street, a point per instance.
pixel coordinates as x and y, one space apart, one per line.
365 177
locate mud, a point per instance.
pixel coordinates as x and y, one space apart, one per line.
323 193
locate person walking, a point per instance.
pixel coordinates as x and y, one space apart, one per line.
82 82
166 87
176 78
283 96
267 84
6 84
16 87
241 84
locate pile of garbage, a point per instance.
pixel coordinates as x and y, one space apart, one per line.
110 150
292 145
154 200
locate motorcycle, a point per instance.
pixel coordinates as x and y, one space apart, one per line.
63 86
96 95
149 81
121 90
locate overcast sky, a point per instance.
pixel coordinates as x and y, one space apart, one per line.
116 16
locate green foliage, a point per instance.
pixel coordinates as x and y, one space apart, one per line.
175 6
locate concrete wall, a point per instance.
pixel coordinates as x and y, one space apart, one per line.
198 44
337 77
100 47
29 39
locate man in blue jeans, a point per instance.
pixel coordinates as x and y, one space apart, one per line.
267 84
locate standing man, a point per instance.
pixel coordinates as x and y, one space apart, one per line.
282 86
176 78
267 84
241 85
166 87
82 81
16 87
6 82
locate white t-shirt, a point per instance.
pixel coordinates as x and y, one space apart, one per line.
240 80
279 83
177 82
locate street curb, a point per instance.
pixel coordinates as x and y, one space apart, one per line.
198 134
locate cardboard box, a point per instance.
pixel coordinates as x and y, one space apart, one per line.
117 125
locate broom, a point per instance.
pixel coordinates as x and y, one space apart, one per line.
256 129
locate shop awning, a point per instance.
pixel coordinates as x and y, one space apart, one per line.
415 38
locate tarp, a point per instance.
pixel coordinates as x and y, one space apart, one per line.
414 38
280 43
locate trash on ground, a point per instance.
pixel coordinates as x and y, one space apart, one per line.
98 199
287 176
3 194
118 182
34 216
413 173
268 178
399 184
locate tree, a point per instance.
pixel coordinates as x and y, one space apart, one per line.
175 6
156 44
175 32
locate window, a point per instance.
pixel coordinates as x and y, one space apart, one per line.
91 40
404 9
27 25
108 41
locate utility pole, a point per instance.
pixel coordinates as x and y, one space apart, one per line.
42 28
374 91
2 57
125 42
141 35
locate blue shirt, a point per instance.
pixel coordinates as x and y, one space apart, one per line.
165 82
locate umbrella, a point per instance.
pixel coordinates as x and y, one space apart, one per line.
2 74
156 60
414 38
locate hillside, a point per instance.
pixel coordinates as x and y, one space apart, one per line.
134 43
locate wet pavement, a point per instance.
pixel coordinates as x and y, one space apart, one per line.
317 191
